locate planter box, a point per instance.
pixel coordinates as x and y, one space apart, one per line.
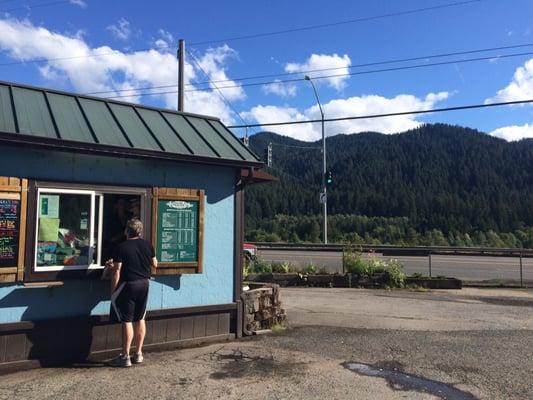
342 281
435 283
320 280
291 279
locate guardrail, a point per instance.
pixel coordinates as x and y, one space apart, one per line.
422 251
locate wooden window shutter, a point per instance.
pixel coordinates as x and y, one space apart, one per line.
178 230
13 208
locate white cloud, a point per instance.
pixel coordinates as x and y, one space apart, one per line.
212 63
115 70
80 3
352 106
520 88
280 89
515 132
165 40
339 66
121 30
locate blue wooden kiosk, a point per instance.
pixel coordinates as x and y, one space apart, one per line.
72 169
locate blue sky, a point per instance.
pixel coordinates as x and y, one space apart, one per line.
135 36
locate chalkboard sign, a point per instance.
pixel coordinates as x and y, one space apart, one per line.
177 231
9 232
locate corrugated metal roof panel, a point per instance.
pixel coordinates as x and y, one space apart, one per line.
238 145
104 126
53 119
7 120
189 135
69 118
32 112
212 136
132 125
162 131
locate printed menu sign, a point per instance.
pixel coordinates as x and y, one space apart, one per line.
177 231
9 232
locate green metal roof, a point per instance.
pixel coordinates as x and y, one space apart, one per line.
71 121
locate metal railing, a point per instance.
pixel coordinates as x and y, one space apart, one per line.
421 251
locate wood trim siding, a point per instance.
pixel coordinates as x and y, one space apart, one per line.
81 338
16 189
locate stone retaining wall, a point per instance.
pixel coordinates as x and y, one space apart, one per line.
262 308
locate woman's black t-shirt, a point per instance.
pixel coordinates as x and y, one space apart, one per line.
136 258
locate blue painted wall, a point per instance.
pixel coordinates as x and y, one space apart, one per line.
83 297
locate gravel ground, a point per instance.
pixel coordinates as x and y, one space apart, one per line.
477 341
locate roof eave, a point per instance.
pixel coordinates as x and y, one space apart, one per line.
109 150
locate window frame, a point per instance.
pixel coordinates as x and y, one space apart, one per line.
32 273
92 218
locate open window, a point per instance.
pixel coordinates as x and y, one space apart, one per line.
76 228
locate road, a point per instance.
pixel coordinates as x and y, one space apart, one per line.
474 268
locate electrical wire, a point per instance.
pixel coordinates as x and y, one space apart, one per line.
228 103
294 80
394 114
384 62
250 36
40 5
331 24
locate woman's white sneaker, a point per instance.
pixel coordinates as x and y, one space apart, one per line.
137 358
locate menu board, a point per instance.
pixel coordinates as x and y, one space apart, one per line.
177 231
9 232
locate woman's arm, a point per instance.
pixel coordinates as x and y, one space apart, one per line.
115 277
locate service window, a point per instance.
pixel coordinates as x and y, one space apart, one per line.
79 229
66 229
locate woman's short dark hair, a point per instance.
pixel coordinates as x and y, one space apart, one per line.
134 227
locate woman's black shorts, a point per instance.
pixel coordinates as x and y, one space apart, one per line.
128 301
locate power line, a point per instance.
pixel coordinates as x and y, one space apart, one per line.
283 81
395 114
250 36
40 5
384 62
228 103
331 24
294 80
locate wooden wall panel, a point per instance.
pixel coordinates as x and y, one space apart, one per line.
69 339
186 331
211 324
15 189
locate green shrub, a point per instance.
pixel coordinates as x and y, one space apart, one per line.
246 269
261 266
310 269
282 268
356 263
395 274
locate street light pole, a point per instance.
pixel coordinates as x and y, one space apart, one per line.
324 189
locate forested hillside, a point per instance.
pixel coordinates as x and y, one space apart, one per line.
437 184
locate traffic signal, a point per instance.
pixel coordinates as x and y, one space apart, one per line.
329 178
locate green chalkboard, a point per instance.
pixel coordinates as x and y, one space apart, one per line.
177 231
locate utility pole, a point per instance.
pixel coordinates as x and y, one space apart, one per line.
181 74
323 195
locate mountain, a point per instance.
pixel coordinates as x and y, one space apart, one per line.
437 177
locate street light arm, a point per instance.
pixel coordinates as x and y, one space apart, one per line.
316 95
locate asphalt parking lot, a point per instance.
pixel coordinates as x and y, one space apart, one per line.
342 344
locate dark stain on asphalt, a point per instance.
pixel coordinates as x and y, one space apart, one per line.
236 364
506 301
398 380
